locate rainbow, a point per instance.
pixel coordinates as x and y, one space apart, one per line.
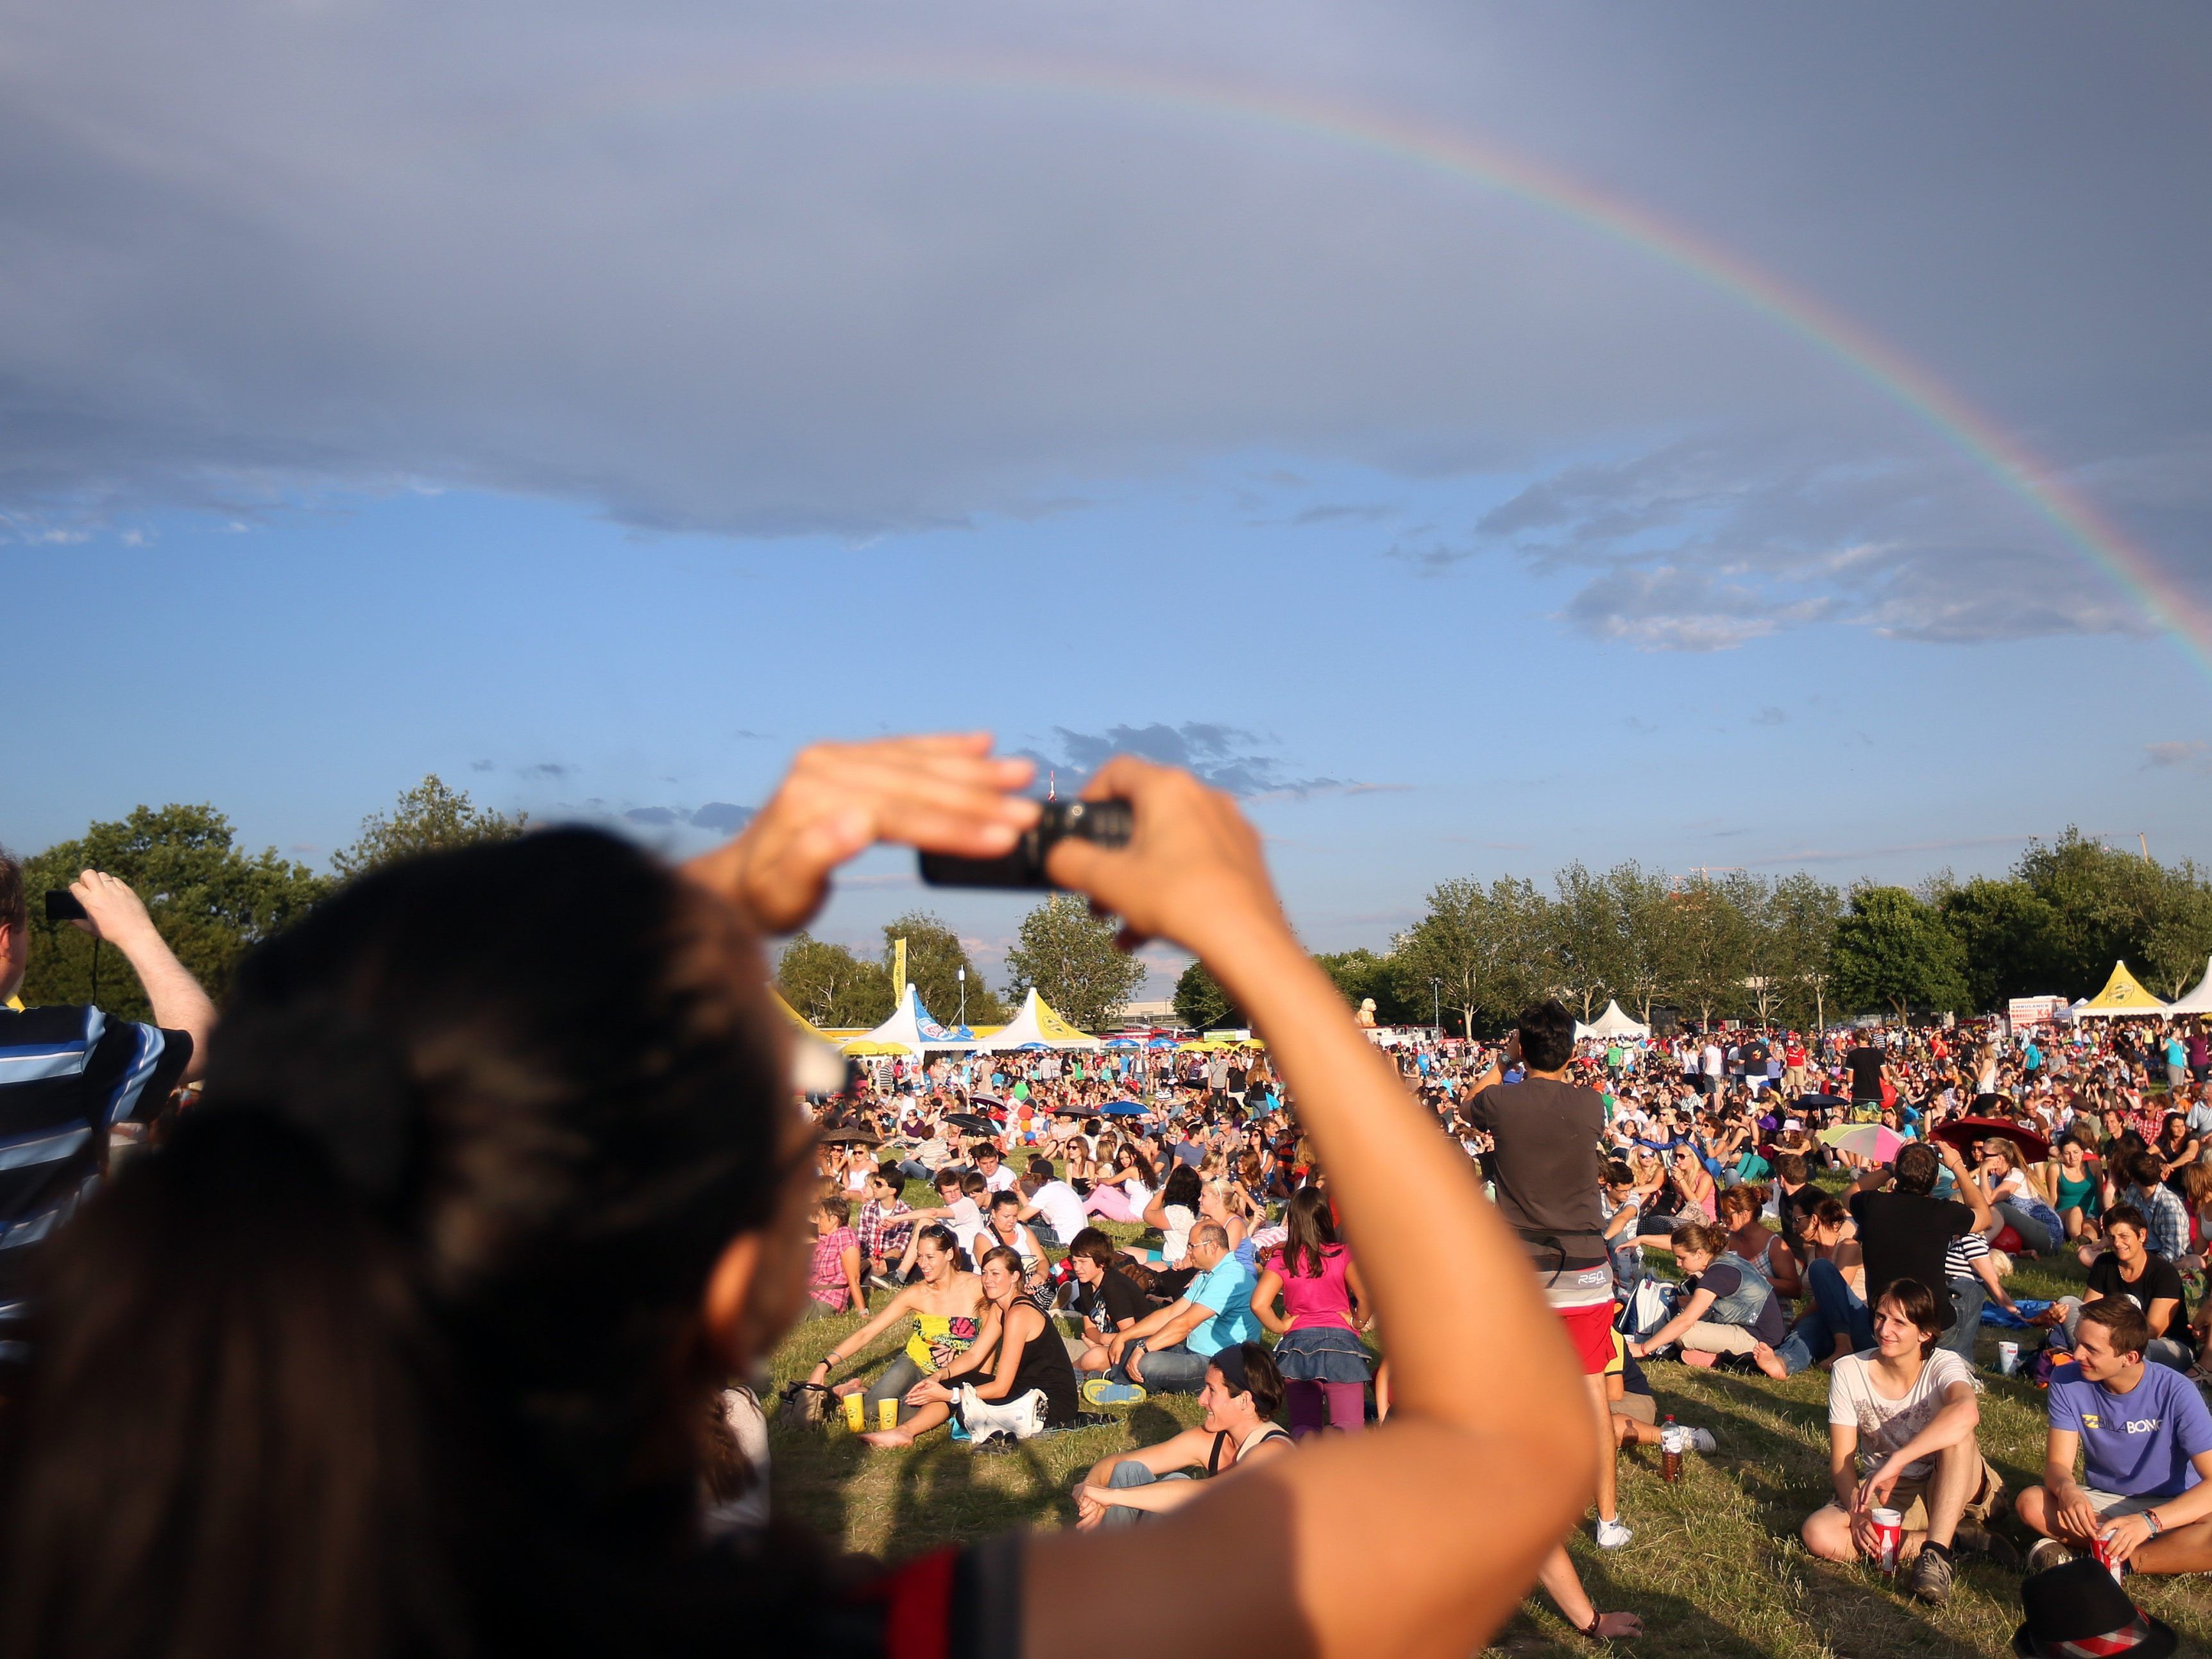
2149 584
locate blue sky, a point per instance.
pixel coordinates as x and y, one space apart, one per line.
378 397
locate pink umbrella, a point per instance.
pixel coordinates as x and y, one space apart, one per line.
1876 1142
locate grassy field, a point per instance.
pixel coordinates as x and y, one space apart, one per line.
1715 1567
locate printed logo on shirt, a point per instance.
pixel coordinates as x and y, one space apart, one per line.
2091 1420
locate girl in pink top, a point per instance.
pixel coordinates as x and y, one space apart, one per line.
1320 1353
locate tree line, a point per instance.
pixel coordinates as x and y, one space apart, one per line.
1711 945
1788 950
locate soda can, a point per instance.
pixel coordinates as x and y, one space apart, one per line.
1888 1538
2101 1547
855 1412
2009 1359
887 1414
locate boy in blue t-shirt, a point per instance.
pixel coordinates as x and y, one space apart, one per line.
2146 1437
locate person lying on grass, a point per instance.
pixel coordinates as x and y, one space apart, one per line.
1028 1388
1902 1422
2146 1437
1242 1393
944 1307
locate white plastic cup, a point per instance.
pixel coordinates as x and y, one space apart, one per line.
2009 1359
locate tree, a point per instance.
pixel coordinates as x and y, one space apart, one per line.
1645 900
2006 931
1202 1004
1484 945
1707 947
208 900
1582 938
1068 956
1892 950
1360 975
934 957
429 819
2174 951
1801 919
830 986
2108 905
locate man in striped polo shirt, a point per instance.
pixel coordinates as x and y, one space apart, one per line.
69 1073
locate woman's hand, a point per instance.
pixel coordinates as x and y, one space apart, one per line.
945 793
1192 868
928 1392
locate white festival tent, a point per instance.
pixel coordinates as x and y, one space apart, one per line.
911 1027
1036 1027
2198 1001
1610 1025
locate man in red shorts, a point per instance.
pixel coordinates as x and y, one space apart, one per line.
1547 1169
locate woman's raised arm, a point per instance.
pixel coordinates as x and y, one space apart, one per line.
1420 1538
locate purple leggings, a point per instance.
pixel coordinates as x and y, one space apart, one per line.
1348 1406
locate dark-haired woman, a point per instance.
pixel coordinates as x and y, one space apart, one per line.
946 1307
1320 1354
1240 1397
414 1322
1029 1385
1123 1195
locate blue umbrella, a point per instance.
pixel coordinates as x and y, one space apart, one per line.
1123 1108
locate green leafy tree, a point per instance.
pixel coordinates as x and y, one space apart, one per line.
1200 1003
431 818
1893 950
934 959
1801 921
2006 931
1582 931
830 986
1068 956
1360 975
1483 946
209 900
1708 947
2179 939
1644 901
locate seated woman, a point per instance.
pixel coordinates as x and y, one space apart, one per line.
1750 1237
944 1307
2081 1196
1122 1195
1005 1227
1319 1355
1242 1393
1731 1308
2177 1147
1174 1211
2017 1201
1030 1388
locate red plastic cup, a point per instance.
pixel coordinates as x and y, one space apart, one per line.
2101 1547
1888 1537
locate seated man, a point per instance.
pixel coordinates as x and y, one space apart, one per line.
1166 1351
2147 1442
1105 1299
1901 1426
1241 1392
1050 1205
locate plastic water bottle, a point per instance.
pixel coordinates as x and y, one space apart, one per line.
1674 1441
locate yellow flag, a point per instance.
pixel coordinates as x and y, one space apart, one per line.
898 971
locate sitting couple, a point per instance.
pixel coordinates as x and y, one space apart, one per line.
1167 1351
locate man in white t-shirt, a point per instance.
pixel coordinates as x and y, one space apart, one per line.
1716 1065
1052 1202
1902 1418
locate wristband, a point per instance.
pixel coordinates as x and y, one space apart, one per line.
2151 1516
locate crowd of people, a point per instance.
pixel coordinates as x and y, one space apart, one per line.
425 1305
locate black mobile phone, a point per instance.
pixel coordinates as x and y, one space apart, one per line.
61 905
1107 823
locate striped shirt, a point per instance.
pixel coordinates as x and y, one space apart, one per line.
67 1075
1965 1251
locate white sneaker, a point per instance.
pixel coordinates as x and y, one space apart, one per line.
1703 1441
1613 1535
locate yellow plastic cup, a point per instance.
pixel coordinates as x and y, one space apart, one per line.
887 1413
855 1412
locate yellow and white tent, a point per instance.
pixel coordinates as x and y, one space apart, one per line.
1036 1026
2121 996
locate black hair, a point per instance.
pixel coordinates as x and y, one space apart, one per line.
1307 1228
1181 1187
405 1322
1547 1034
1249 1368
1917 1164
947 1242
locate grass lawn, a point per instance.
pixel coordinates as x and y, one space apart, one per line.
1715 1567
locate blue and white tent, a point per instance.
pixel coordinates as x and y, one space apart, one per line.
911 1027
